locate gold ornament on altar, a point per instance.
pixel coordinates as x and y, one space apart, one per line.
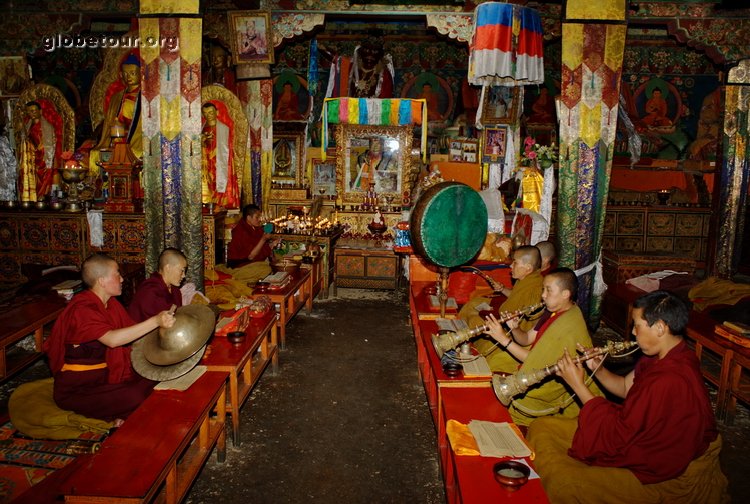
534 160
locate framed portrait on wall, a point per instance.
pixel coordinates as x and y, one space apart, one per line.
324 176
500 105
14 75
251 36
494 139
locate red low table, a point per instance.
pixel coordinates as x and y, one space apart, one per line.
469 479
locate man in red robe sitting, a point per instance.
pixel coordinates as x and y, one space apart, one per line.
250 244
660 445
161 291
88 349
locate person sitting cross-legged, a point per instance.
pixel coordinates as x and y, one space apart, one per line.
89 352
560 327
660 444
526 291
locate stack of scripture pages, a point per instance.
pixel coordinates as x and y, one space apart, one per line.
498 439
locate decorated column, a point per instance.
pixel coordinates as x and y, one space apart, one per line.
593 43
171 117
735 170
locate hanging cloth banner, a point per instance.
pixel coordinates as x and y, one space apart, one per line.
373 112
507 46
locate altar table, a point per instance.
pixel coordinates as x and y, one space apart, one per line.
295 294
244 363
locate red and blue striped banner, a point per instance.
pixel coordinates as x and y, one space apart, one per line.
507 46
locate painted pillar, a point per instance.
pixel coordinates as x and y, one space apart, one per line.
735 170
593 43
171 118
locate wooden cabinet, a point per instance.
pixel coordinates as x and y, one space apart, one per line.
366 268
665 230
57 238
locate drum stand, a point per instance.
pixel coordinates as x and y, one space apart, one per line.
443 290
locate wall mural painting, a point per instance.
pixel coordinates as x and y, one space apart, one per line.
676 117
291 100
435 90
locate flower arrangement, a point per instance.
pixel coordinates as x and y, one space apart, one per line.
534 154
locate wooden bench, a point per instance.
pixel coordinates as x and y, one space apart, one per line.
159 450
21 320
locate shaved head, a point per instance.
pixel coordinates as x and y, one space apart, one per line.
547 249
170 256
528 255
95 267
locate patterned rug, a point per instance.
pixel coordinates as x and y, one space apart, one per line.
24 461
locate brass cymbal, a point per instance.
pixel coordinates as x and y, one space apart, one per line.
193 325
162 373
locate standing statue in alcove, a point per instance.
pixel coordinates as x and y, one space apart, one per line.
219 69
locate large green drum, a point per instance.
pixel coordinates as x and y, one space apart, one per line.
448 224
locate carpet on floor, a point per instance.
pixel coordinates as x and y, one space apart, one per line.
24 461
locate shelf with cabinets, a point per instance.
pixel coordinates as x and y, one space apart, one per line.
55 238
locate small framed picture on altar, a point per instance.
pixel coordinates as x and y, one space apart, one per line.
494 140
456 150
288 158
251 36
324 176
469 154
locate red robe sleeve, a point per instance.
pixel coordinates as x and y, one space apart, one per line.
87 319
665 422
153 297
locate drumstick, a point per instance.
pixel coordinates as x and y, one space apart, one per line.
172 309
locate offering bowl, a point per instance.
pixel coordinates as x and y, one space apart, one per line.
511 474
236 337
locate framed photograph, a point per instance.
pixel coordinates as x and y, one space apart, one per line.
14 75
456 152
251 36
494 140
288 158
324 176
373 158
500 105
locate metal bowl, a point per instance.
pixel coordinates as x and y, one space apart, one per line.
288 265
11 204
70 174
236 337
40 205
27 205
511 474
56 205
